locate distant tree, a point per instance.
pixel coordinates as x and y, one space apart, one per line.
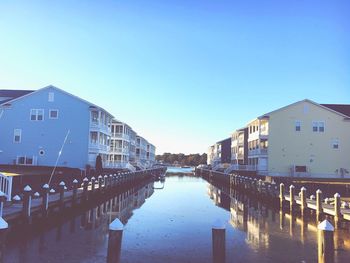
183 159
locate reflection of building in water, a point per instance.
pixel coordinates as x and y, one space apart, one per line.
251 221
131 200
220 198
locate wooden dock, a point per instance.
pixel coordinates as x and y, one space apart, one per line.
334 207
32 204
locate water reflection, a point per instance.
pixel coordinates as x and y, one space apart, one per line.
69 242
174 224
257 221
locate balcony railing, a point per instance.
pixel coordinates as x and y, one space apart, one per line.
120 135
98 147
259 151
98 126
119 150
246 167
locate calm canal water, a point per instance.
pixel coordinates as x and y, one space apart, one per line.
172 222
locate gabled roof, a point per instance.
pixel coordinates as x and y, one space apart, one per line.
7 94
63 91
342 108
267 115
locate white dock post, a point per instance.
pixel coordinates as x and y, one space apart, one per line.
2 201
319 208
281 195
291 198
75 192
27 201
303 201
115 241
337 212
85 188
3 230
45 195
218 239
62 187
325 242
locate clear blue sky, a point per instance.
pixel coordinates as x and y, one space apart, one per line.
183 74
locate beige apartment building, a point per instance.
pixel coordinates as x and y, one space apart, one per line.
304 139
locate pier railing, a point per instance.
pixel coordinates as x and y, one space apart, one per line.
6 186
285 195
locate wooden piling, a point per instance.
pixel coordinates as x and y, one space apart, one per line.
291 198
100 182
319 208
75 192
303 206
218 239
337 212
93 181
3 231
325 242
115 241
45 200
27 201
85 188
2 201
62 186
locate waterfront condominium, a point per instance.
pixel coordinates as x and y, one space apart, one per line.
303 139
219 153
49 126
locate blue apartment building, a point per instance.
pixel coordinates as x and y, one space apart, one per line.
50 126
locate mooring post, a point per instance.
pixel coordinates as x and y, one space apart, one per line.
319 208
281 195
218 239
27 201
75 192
3 231
115 241
291 198
100 182
62 186
105 183
85 188
303 201
325 242
93 180
2 201
45 200
337 211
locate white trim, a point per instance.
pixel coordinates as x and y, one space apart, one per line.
51 96
295 125
52 118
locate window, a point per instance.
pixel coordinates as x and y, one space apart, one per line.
53 114
51 97
335 144
94 116
298 126
25 160
318 126
17 135
93 137
36 114
321 126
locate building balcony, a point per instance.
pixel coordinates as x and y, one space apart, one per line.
259 151
100 127
258 135
114 150
237 156
99 148
123 136
246 167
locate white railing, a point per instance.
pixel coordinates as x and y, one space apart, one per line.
98 147
6 186
246 167
257 151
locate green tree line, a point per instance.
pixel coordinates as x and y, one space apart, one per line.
182 159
